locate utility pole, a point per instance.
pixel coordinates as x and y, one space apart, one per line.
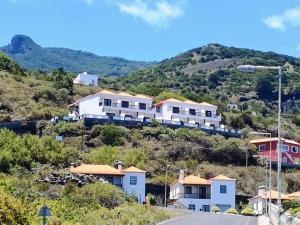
166 185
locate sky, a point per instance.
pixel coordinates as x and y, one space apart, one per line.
153 30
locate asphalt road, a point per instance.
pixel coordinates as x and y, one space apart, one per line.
201 218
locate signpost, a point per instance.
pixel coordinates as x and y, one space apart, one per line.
45 212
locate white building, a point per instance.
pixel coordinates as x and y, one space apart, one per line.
260 202
125 105
86 79
195 193
131 180
233 106
188 112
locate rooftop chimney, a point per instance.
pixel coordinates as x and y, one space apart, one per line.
119 165
181 174
262 190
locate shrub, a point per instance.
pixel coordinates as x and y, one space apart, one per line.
215 209
151 199
296 120
247 212
232 211
107 195
112 135
68 128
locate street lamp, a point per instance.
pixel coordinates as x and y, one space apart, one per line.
251 68
166 185
270 167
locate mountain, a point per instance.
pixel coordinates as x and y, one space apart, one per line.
30 55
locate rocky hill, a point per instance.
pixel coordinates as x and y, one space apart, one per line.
32 56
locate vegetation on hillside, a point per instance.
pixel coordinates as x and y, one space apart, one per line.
32 56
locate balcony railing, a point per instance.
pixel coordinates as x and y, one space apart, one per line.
119 105
193 196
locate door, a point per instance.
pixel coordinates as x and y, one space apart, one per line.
205 208
202 192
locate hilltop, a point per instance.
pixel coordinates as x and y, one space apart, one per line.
32 56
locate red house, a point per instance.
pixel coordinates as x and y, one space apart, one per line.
290 149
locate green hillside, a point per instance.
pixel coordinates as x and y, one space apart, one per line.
32 56
209 74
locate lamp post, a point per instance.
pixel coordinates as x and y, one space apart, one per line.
270 167
251 68
166 185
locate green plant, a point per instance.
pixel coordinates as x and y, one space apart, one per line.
151 199
231 211
248 212
215 209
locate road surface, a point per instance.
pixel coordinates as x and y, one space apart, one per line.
201 218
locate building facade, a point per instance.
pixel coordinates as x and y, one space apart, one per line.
86 79
141 107
131 180
290 149
198 194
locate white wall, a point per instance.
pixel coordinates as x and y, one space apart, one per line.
222 199
86 79
197 202
139 190
90 105
176 189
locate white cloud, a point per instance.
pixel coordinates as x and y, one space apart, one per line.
159 14
289 17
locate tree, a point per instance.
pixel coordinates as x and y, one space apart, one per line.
62 79
264 89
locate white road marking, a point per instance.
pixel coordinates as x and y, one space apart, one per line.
171 220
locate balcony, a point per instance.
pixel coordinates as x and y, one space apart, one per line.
186 114
194 196
131 107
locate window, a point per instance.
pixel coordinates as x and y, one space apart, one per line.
205 208
223 189
192 112
202 192
110 180
133 180
107 102
158 109
188 189
284 148
142 106
125 104
176 110
192 207
262 147
284 159
295 149
208 114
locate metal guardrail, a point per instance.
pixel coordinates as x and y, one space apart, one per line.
91 120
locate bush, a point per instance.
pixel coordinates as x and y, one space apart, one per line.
296 120
247 212
151 199
232 211
112 135
215 209
107 195
69 129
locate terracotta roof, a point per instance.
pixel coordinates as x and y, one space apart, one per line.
294 195
96 169
207 104
194 180
274 195
222 177
133 170
106 92
273 139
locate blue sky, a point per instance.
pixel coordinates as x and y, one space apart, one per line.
153 29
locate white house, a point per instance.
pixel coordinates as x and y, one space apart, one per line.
260 202
195 193
188 112
107 103
131 180
233 106
125 105
86 79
